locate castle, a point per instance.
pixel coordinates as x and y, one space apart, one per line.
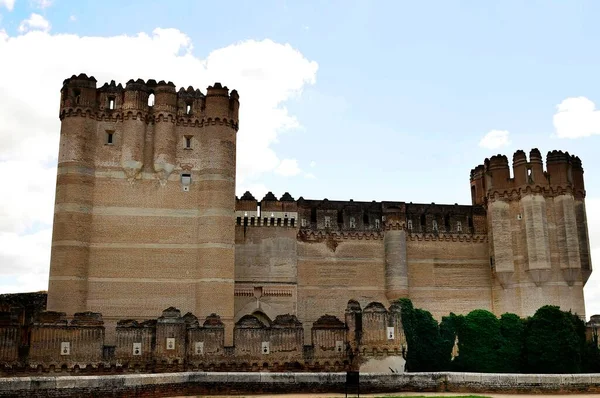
146 218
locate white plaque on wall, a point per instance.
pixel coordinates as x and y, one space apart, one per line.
170 343
137 348
339 346
390 333
265 347
65 348
200 348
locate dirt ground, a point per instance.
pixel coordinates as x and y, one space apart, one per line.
425 394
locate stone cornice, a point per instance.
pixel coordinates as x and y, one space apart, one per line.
114 116
446 237
321 235
546 191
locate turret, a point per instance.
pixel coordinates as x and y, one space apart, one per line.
71 230
165 98
558 165
499 172
577 176
536 175
520 168
78 92
165 136
136 96
219 104
135 110
537 230
216 200
478 187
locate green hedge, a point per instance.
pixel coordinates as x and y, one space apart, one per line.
551 341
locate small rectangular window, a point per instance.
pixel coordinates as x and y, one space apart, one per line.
327 222
110 137
188 142
111 103
458 226
188 109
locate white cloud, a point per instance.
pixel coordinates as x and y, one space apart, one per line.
41 4
265 73
288 168
576 117
9 4
35 22
309 175
495 139
72 18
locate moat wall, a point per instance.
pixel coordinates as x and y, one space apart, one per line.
201 383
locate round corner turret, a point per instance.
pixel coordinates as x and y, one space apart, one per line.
220 104
136 96
165 98
78 92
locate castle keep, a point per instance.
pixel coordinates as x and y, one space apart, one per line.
146 218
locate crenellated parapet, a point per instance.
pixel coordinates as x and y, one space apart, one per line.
189 107
173 342
269 212
493 180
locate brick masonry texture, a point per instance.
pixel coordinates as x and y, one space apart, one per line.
146 218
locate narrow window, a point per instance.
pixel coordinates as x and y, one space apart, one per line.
327 222
377 223
366 219
303 222
434 225
188 142
352 222
111 103
458 226
470 220
409 225
188 108
77 95
110 137
293 221
151 99
529 176
447 222
423 220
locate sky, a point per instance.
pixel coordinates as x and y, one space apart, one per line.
363 100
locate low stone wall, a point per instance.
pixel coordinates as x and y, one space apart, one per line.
202 383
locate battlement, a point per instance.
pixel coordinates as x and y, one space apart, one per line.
562 172
79 95
352 216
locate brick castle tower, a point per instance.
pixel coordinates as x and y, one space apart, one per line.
537 230
145 200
